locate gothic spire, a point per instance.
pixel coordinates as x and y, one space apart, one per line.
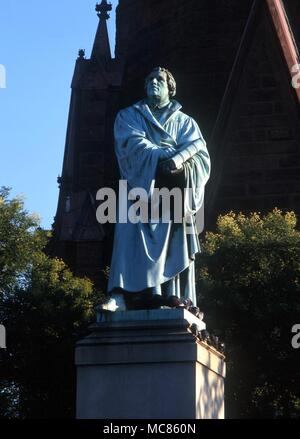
101 49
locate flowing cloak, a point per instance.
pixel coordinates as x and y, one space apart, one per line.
145 255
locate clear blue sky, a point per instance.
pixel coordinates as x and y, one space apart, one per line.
39 43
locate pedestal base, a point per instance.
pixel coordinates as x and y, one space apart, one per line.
148 365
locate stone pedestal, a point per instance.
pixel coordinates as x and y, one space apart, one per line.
148 365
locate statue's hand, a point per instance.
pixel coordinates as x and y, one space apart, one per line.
168 167
168 176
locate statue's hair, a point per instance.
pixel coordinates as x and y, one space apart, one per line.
170 80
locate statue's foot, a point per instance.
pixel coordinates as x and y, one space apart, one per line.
115 303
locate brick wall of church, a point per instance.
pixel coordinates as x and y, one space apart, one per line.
261 150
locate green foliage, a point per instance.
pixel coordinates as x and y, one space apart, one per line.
45 309
17 239
249 289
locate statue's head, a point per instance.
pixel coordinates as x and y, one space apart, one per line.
160 85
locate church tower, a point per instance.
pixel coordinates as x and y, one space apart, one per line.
88 163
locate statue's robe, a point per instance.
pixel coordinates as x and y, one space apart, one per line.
159 257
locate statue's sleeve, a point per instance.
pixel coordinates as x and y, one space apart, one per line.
194 157
190 142
137 155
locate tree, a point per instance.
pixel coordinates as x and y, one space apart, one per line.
249 289
45 309
18 239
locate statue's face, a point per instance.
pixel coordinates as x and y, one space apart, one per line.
157 86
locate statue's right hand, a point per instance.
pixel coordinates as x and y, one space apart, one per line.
168 167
